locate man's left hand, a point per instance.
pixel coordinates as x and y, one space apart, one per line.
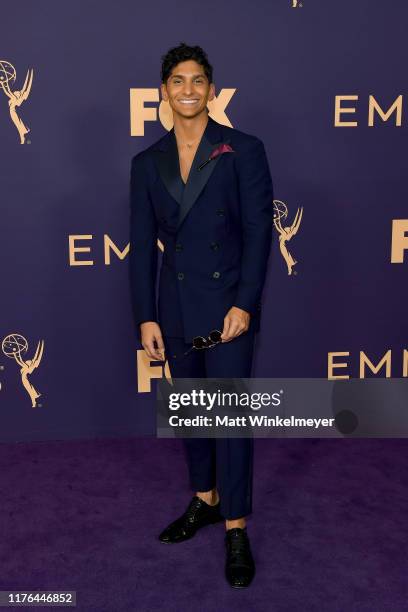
236 322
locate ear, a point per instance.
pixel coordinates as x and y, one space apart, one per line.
163 91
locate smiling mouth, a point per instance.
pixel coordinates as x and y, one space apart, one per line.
188 101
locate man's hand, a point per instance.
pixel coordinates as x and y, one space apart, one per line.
150 332
236 322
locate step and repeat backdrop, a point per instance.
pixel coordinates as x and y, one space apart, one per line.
323 84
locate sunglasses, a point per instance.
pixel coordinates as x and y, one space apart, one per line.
199 342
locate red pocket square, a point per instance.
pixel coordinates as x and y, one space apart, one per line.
222 148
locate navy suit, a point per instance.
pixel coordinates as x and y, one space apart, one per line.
216 232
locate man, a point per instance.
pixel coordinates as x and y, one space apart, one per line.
211 206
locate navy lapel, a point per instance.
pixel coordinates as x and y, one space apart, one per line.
166 156
167 159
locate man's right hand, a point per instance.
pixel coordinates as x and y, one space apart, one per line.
151 332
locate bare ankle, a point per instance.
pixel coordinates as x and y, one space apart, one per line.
210 497
235 523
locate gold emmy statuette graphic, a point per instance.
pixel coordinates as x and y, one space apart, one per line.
16 97
13 346
287 232
296 4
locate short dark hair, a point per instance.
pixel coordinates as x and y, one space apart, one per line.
182 53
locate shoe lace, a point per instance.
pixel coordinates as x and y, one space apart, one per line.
238 545
193 508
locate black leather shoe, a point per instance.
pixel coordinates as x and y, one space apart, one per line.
239 566
197 515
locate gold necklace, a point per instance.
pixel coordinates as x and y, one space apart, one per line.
187 144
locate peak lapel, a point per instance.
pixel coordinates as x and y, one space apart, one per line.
197 179
168 164
167 160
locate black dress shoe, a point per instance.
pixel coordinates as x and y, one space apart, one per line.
239 566
197 515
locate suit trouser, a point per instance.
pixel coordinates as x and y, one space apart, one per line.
225 463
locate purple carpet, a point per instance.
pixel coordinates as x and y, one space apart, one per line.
329 529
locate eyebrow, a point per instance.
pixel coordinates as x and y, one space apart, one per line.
173 76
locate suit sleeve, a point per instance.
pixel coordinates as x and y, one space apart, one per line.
142 246
256 196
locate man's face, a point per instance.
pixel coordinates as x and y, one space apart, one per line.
188 89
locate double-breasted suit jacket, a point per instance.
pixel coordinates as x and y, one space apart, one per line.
216 231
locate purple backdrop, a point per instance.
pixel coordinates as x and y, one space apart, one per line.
283 67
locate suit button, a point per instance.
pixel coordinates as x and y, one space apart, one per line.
214 246
180 275
220 212
216 275
179 247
